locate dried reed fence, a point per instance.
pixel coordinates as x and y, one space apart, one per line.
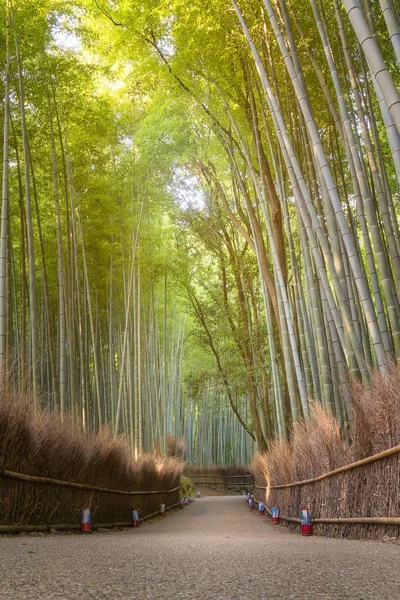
362 501
49 471
233 477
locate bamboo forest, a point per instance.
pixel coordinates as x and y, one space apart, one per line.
200 207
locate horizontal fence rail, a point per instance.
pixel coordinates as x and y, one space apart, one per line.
341 520
80 486
220 475
349 467
246 479
221 482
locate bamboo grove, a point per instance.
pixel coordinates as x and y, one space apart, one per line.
199 226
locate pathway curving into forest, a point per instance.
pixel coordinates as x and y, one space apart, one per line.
213 549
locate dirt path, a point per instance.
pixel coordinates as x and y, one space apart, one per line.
213 549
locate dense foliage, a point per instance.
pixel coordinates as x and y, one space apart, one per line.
199 227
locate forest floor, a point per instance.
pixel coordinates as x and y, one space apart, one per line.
213 549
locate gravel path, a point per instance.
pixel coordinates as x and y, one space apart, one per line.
213 549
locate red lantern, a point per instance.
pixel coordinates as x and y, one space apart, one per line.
275 516
306 526
135 518
86 521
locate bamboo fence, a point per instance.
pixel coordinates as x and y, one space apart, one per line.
37 504
211 478
363 493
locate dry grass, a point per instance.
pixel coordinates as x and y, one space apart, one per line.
176 446
317 447
39 444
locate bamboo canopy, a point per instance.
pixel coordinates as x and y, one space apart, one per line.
200 215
